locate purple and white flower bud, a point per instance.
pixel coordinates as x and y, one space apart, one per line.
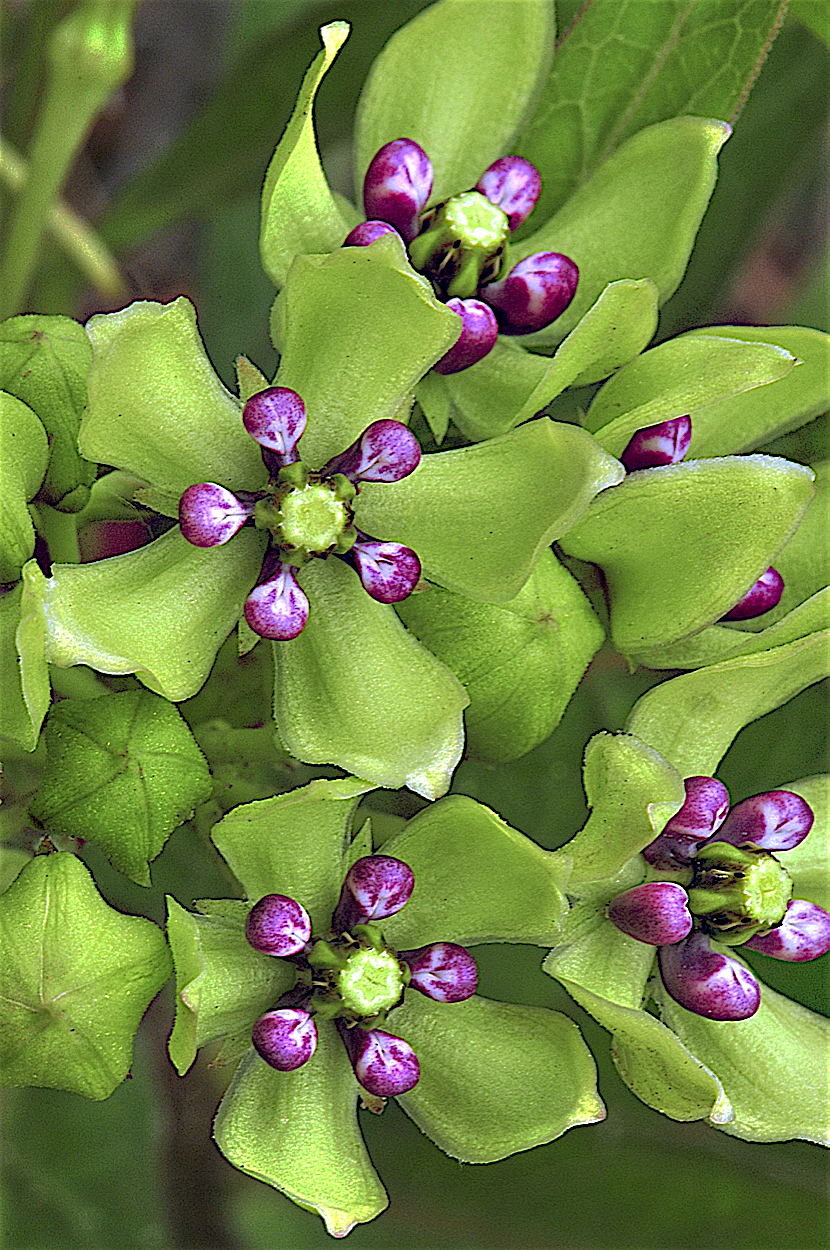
702 814
278 925
276 418
376 886
803 934
384 1064
513 185
534 293
657 445
387 451
367 232
277 608
479 331
760 598
210 515
775 821
389 571
397 185
656 912
443 971
286 1038
706 982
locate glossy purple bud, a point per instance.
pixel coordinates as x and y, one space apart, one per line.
385 1065
376 886
702 814
534 293
277 608
276 418
443 971
760 598
368 232
656 912
286 1038
479 331
210 515
775 821
706 982
658 445
389 571
513 185
385 452
804 933
397 185
278 925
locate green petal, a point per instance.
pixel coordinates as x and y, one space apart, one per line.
355 689
157 408
161 612
24 677
458 79
298 1131
496 1078
299 212
593 954
479 517
680 545
476 880
488 397
809 863
24 451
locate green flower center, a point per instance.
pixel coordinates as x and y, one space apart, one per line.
356 977
461 244
737 891
371 982
307 516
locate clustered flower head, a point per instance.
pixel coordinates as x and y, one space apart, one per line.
351 976
733 892
460 244
306 513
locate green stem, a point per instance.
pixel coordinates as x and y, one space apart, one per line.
60 530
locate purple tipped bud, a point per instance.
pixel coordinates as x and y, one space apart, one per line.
397 185
376 886
535 292
704 811
760 598
775 821
368 232
443 971
513 185
277 608
210 515
706 982
285 1038
657 445
479 331
277 925
389 571
276 419
656 913
804 933
385 1065
385 452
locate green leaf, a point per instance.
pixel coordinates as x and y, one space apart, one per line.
24 677
76 980
355 689
680 545
479 517
459 80
298 1131
496 1078
299 212
24 451
44 361
519 661
122 772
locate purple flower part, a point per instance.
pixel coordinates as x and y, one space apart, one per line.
804 933
368 232
706 982
775 821
286 1038
703 812
397 185
479 331
210 515
443 971
278 925
276 418
389 571
375 887
656 913
385 452
277 608
658 445
513 185
385 1065
760 598
669 853
534 293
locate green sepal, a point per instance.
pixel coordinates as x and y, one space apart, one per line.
486 399
435 403
24 452
808 862
299 211
76 979
24 676
122 772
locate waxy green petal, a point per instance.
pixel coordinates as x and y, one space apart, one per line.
24 676
803 562
24 452
809 863
488 397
